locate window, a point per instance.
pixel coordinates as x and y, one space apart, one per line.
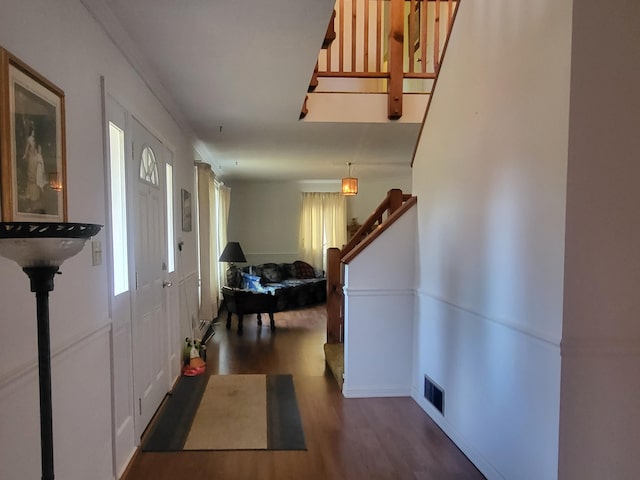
171 254
149 166
118 210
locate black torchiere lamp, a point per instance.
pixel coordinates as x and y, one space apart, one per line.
40 249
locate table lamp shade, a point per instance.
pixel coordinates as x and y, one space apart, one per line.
232 253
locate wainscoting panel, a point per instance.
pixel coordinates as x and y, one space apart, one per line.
188 301
82 421
273 257
502 389
124 435
378 343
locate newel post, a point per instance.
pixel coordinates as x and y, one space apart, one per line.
395 199
334 296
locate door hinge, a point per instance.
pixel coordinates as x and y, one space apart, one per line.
136 280
140 405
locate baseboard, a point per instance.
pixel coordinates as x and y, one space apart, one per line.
375 391
122 471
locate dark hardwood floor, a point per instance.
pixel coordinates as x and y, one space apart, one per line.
380 438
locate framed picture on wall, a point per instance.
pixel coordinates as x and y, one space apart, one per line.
186 211
32 144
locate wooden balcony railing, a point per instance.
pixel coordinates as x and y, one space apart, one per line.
388 40
392 207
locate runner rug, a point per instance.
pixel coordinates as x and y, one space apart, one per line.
228 412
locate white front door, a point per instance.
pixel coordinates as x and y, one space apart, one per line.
150 331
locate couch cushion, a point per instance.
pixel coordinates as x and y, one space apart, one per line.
304 270
288 270
271 273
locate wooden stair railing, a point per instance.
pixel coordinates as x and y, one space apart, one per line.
389 41
392 207
329 37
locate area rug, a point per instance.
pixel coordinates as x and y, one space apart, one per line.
228 412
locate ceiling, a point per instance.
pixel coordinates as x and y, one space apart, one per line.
235 74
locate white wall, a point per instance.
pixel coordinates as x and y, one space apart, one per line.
490 176
264 216
379 309
64 43
371 192
599 422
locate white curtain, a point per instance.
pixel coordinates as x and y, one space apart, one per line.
335 221
208 240
323 224
224 200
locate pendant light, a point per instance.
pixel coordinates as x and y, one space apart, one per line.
349 184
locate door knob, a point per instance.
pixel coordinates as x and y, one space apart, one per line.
166 284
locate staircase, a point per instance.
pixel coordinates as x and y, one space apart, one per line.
390 211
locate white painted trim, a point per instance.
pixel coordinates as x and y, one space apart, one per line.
78 341
271 253
487 469
126 463
357 292
183 280
374 391
515 326
105 17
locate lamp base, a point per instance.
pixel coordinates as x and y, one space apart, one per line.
234 276
41 284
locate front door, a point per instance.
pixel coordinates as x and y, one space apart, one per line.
150 332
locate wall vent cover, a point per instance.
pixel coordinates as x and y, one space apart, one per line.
434 394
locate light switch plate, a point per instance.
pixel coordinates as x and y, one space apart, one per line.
96 252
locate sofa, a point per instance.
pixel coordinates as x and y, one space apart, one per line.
273 287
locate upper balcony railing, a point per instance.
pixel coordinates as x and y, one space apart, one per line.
392 46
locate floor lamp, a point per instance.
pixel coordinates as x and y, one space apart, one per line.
40 249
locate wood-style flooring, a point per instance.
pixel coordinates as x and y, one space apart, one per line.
351 439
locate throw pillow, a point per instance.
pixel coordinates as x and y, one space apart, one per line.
251 282
304 270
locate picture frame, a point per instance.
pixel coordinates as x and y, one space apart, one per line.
186 210
32 145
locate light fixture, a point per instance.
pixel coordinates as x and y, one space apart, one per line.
40 249
349 184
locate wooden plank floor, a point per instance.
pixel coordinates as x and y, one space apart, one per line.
351 439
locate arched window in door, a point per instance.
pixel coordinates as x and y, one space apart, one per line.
149 167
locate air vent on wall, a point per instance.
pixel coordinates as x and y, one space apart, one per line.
434 394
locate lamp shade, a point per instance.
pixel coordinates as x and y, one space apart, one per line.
349 183
34 244
349 186
232 253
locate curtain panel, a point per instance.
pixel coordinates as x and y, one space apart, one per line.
323 224
208 241
224 199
